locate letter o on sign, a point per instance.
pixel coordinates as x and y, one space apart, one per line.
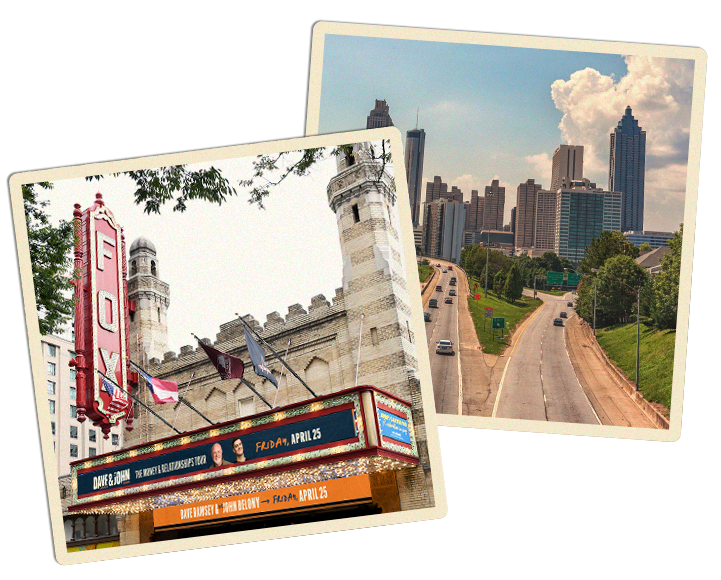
111 326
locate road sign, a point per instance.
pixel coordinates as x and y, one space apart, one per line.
499 323
489 312
554 277
573 279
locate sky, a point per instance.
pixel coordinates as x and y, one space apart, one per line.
493 112
232 258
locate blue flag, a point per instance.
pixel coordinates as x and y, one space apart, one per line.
257 357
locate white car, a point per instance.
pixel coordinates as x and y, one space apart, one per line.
444 347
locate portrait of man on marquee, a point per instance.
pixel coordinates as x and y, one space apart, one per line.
238 450
216 455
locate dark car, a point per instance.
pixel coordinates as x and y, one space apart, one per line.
451 292
427 316
439 288
569 304
558 322
448 301
433 303
564 315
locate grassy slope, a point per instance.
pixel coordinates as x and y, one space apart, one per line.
424 271
501 309
655 359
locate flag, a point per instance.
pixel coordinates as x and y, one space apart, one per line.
257 357
229 366
117 403
162 391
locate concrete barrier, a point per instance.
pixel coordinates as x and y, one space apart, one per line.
629 387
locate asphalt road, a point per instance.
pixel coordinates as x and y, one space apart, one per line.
539 382
444 368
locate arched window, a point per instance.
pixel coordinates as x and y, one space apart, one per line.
79 529
153 269
68 526
90 527
102 525
133 268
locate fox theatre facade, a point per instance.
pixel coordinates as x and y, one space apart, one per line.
329 457
347 452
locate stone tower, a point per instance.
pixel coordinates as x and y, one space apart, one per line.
374 282
376 295
151 296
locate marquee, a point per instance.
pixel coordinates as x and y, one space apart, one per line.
356 431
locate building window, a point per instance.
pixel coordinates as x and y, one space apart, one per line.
73 450
51 369
52 406
91 435
52 426
356 213
51 387
73 392
92 452
73 411
73 372
73 432
374 336
52 350
116 439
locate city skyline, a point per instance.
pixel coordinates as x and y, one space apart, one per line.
493 112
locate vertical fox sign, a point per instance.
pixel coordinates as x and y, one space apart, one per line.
101 318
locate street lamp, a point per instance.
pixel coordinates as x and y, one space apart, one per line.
638 313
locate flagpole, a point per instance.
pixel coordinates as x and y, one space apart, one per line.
247 384
281 374
270 348
180 399
242 380
360 339
139 402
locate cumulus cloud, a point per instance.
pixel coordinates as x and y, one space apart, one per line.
541 165
659 92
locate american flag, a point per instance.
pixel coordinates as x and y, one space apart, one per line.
118 403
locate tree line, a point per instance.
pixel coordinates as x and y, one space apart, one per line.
608 268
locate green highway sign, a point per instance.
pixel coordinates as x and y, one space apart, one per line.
573 279
554 277
499 323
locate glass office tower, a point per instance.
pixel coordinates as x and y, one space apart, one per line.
627 169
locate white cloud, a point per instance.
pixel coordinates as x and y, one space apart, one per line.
541 165
659 93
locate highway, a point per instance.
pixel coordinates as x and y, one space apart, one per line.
445 369
539 382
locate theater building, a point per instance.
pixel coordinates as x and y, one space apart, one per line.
342 436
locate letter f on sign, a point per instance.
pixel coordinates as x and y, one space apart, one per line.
103 252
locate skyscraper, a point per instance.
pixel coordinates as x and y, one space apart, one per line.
627 169
582 213
567 162
436 189
443 222
379 116
525 217
415 146
493 206
544 230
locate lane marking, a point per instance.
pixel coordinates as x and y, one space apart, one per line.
508 362
570 362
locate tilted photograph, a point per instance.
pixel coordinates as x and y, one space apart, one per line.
552 188
223 346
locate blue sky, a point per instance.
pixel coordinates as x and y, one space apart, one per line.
500 112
